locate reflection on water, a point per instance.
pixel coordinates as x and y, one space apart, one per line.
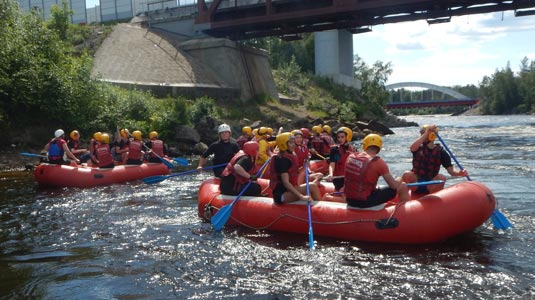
137 241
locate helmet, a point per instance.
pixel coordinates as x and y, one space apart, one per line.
327 128
270 130
251 148
59 133
317 129
137 135
153 134
223 128
296 132
372 140
75 135
283 139
124 133
347 131
432 136
306 133
262 131
255 132
105 138
246 130
97 136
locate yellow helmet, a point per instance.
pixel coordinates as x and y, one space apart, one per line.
97 136
327 128
283 139
317 129
105 138
75 135
270 130
262 131
137 135
255 132
347 131
432 136
124 133
153 134
246 130
372 140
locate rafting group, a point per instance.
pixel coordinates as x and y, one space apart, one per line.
285 160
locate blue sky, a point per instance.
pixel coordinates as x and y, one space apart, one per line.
460 52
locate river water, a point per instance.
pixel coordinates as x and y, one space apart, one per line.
137 241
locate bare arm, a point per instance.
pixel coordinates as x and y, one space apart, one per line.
285 178
241 171
391 181
69 153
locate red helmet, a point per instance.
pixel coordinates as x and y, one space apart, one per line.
251 148
306 133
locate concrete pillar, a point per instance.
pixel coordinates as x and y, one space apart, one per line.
333 52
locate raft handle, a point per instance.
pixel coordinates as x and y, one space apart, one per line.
387 223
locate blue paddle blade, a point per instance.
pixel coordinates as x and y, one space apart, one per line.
500 221
181 161
154 179
221 218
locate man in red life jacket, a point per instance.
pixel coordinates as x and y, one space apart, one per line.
320 144
362 172
246 136
427 157
103 151
74 145
157 147
57 147
93 144
135 149
338 157
284 173
239 171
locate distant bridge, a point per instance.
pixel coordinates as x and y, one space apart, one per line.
460 99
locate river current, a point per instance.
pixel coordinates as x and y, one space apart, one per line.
138 241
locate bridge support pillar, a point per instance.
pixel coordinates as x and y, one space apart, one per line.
333 50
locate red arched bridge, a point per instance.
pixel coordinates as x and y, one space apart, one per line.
460 99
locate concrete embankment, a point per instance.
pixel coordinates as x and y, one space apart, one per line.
133 56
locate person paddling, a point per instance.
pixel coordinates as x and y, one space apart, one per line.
223 150
57 147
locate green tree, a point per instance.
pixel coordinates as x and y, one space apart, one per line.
60 19
527 85
500 92
373 81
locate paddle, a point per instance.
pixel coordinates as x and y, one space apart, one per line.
498 219
164 161
160 178
310 232
32 155
222 216
181 161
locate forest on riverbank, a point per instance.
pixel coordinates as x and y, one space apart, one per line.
45 83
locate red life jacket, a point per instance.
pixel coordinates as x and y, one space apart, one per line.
343 153
426 163
157 148
134 150
356 184
229 169
301 151
293 172
104 155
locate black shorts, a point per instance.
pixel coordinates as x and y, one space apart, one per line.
338 183
278 191
379 196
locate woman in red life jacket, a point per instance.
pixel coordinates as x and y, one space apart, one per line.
338 157
103 150
362 172
93 144
135 149
302 153
427 157
74 145
284 172
57 147
157 148
121 145
320 144
239 171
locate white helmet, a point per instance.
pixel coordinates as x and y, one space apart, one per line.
223 128
59 133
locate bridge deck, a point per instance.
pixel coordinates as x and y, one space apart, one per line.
466 102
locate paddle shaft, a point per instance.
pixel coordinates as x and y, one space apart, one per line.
33 155
310 231
451 154
168 164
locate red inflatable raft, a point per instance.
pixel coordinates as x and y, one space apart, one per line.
83 176
459 208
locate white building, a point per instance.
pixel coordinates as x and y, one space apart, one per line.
44 6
